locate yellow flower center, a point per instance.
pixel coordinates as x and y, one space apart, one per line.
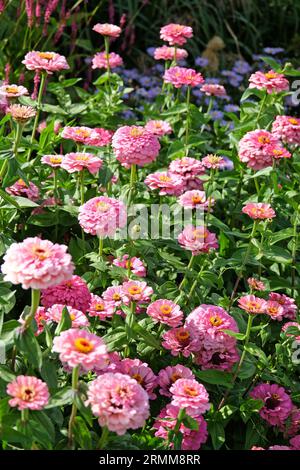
270 75
138 378
164 178
99 307
102 206
27 394
83 132
81 157
196 199
46 55
116 296
263 139
22 183
277 152
135 132
294 121
216 320
55 160
182 336
134 290
198 234
165 309
12 89
175 377
72 316
83 345
190 391
40 253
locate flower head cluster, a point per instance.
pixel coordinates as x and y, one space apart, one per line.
20 113
169 375
181 76
181 340
197 239
100 308
259 210
135 145
189 169
287 129
102 60
165 311
28 392
271 81
78 318
97 137
213 89
170 53
176 34
106 29
13 91
158 127
48 62
277 404
166 182
20 188
54 161
195 199
134 264
74 292
78 161
102 216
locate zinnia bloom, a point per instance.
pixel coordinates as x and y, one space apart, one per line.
274 310
81 348
116 295
45 62
106 29
189 169
158 127
102 216
191 395
78 318
287 129
77 161
270 81
137 291
28 393
212 89
141 372
176 34
13 91
258 148
100 308
20 188
97 137
166 312
252 304
74 293
195 200
102 59
213 161
37 264
277 403
180 340
222 357
118 401
135 145
197 239
255 284
52 160
168 53
288 304
169 375
20 113
134 264
259 210
181 76
166 182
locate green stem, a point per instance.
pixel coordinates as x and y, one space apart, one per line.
39 103
103 438
75 377
194 285
133 179
81 184
256 185
294 250
106 43
18 136
55 184
261 109
209 194
101 242
191 262
24 416
35 301
176 430
187 122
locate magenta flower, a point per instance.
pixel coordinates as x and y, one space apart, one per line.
169 375
271 81
78 161
134 145
277 404
180 341
48 62
288 304
73 292
197 240
97 137
168 53
102 59
181 76
20 188
118 401
54 161
134 264
78 318
158 127
176 34
287 129
222 357
102 216
141 372
37 264
100 308
195 199
80 348
274 310
106 29
166 182
28 393
190 395
166 312
259 210
287 325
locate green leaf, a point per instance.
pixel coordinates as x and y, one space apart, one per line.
42 429
190 423
27 343
216 377
60 398
115 339
239 336
217 434
147 337
82 434
65 321
6 375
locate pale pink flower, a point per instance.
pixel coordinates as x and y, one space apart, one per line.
52 160
288 304
40 318
97 137
21 114
37 264
277 403
100 308
252 304
78 161
213 161
28 392
169 375
166 421
255 284
134 264
258 148
182 76
137 291
274 310
166 182
118 401
102 59
270 81
189 169
78 318
180 340
141 372
166 312
80 348
168 53
106 29
102 216
135 145
176 34
13 91
197 239
191 395
212 89
259 210
195 199
115 295
20 188
45 61
158 127
74 292
287 129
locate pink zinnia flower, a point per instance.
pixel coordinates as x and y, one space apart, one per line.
288 304
212 89
270 81
292 423
213 161
137 291
169 375
166 182
180 340
166 312
77 161
13 91
52 160
176 34
182 76
115 295
37 264
166 421
141 372
102 216
252 304
277 403
80 348
41 318
45 61
168 53
189 169
258 148
287 129
100 308
20 188
101 60
255 284
159 128
274 309
295 442
195 200
107 29
134 264
78 318
135 145
222 357
197 239
259 210
191 395
28 392
73 292
118 401
97 137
